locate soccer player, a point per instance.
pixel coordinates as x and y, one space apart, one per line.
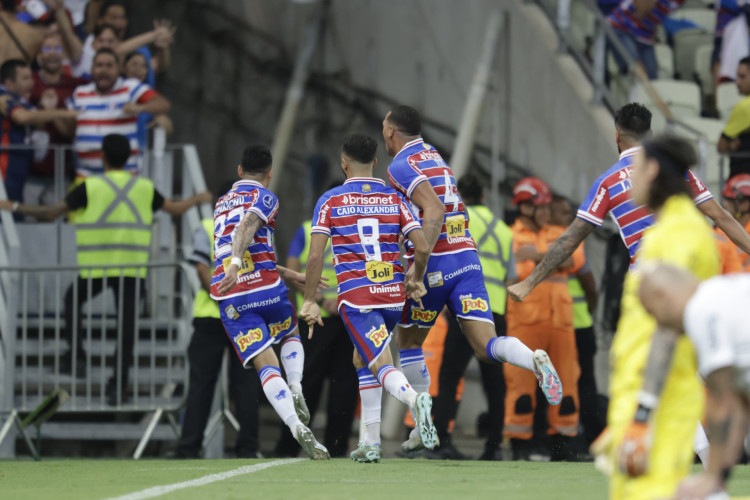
610 194
454 274
253 302
651 464
712 315
363 218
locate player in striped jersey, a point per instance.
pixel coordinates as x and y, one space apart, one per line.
253 302
454 274
110 105
363 218
611 194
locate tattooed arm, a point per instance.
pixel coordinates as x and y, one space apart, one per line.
558 253
656 370
242 237
433 212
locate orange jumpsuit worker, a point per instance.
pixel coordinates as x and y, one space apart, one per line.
736 200
729 254
543 321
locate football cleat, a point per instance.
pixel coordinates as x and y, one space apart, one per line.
300 406
423 420
307 441
547 376
367 454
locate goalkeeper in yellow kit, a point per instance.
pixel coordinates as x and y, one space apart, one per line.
656 399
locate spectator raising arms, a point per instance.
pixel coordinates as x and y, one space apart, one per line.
110 104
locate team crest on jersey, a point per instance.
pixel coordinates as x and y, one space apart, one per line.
277 328
478 304
423 315
248 339
366 188
377 337
231 312
379 272
435 279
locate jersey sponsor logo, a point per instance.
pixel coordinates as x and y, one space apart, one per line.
250 278
422 315
247 263
455 228
435 279
599 198
377 337
478 304
231 312
426 155
379 272
248 339
458 272
268 201
358 210
323 214
277 328
385 289
262 303
353 199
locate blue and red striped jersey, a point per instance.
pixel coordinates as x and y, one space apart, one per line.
258 271
364 217
611 194
624 19
726 10
418 162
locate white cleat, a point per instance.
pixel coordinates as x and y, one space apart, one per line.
547 376
307 441
367 454
423 417
300 406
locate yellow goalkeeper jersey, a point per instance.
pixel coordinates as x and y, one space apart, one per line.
682 237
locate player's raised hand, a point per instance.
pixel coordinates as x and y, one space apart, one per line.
632 456
229 280
310 314
519 291
700 486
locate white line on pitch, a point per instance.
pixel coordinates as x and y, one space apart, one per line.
201 481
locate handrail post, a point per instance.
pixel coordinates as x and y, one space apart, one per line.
563 24
600 57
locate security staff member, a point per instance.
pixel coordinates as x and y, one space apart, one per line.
494 243
205 354
113 227
327 355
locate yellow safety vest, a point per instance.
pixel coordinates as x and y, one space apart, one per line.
581 316
204 306
493 238
328 270
115 226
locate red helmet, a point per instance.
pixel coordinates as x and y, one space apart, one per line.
737 185
532 189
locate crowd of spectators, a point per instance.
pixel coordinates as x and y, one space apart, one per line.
70 74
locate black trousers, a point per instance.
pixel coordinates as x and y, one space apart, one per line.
328 355
591 418
456 356
74 299
205 353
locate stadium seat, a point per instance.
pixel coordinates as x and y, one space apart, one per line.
703 17
702 67
726 97
711 129
682 98
581 24
686 43
665 59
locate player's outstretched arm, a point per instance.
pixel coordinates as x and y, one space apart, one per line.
245 231
727 223
42 212
557 255
433 212
310 311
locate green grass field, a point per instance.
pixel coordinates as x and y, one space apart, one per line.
392 479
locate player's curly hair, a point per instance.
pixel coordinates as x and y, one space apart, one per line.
360 148
675 156
634 119
256 160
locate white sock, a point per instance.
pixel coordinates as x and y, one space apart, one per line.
396 384
510 350
700 445
370 392
416 372
279 395
293 359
